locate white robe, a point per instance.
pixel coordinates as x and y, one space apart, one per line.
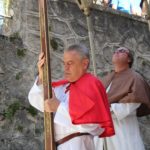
62 121
127 133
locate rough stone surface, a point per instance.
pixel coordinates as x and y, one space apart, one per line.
20 129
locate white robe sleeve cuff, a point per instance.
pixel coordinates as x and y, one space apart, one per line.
36 97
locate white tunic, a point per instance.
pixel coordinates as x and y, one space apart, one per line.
62 121
127 133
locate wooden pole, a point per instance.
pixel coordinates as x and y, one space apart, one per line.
44 36
91 40
146 11
85 6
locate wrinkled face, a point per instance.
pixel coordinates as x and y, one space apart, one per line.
120 57
74 65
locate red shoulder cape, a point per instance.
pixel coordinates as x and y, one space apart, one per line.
88 103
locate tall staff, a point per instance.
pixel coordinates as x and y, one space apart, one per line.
48 117
146 6
85 5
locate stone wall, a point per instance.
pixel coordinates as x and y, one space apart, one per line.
21 127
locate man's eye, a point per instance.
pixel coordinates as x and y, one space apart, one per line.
69 63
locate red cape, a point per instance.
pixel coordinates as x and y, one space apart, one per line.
88 103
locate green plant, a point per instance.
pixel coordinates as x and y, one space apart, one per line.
11 110
32 111
54 44
144 63
3 127
37 131
14 36
50 28
102 74
18 76
19 128
21 52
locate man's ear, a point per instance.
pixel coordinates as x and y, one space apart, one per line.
85 63
129 60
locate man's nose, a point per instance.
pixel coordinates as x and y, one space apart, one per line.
66 67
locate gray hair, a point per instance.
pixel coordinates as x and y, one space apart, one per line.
81 49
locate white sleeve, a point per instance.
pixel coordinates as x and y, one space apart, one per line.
93 129
122 110
36 97
63 118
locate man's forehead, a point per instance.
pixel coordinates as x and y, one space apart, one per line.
71 56
71 53
122 48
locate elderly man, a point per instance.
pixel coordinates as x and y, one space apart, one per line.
129 96
79 103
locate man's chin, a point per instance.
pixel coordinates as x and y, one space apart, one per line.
69 79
